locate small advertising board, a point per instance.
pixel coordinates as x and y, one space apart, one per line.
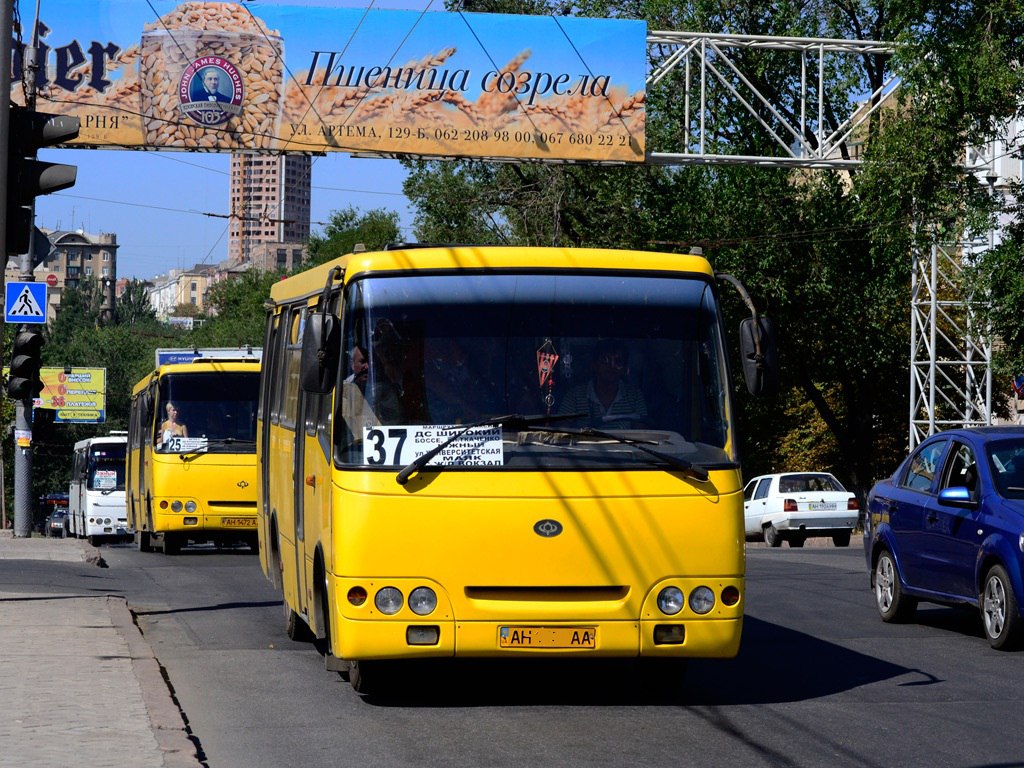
78 395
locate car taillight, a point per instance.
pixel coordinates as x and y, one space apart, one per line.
789 505
852 504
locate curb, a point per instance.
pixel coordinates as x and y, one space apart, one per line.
168 726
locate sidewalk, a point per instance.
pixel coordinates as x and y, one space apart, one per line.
79 685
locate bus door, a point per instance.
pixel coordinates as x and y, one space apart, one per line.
144 520
292 415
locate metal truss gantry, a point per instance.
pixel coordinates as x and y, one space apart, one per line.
712 69
950 357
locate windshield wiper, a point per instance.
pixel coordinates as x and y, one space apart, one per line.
511 421
696 470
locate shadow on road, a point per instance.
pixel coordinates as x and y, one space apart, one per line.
775 665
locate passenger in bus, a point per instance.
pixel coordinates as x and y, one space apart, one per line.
609 401
367 399
172 427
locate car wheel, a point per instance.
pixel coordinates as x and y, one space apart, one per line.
841 539
999 611
771 536
893 606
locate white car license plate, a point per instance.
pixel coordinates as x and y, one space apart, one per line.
821 506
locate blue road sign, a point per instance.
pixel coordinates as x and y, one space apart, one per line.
25 303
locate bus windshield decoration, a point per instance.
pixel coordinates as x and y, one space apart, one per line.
510 391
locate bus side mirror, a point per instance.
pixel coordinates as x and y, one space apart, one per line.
320 353
760 363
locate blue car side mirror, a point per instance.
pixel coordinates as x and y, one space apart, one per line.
957 496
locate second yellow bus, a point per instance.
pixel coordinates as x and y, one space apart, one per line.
191 469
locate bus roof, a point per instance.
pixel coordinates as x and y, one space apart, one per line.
200 365
113 437
411 259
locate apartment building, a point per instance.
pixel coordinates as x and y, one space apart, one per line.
270 203
73 256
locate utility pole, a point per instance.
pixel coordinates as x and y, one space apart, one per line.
24 177
6 33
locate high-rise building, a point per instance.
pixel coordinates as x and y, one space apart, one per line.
270 201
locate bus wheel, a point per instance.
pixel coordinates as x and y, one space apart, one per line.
142 541
172 544
94 541
295 627
368 677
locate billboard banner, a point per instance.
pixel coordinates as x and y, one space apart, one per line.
77 396
309 77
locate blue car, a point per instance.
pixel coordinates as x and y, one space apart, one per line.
948 527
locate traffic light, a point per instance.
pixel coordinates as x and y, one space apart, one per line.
23 382
27 177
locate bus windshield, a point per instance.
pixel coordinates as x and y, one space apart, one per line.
106 467
209 412
607 361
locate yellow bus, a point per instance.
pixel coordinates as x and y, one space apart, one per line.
191 468
504 452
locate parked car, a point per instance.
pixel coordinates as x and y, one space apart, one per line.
56 523
948 527
792 506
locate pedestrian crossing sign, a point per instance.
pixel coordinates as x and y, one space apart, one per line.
25 303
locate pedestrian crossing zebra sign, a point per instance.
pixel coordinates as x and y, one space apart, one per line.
25 303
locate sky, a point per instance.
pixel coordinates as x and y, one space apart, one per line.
159 203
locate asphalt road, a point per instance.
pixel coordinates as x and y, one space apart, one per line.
820 680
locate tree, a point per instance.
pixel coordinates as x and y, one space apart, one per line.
237 313
82 337
347 227
133 305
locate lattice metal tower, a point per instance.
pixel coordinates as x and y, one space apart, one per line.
950 356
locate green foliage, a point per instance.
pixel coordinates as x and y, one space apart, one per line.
237 313
133 305
82 337
347 227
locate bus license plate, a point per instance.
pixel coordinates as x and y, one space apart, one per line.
239 522
547 637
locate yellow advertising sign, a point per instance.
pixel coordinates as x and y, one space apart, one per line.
306 76
78 395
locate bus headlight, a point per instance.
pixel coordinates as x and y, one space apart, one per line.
190 506
670 600
388 601
702 600
176 506
422 601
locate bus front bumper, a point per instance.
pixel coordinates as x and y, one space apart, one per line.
397 639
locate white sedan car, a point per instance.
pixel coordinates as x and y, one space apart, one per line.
794 505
